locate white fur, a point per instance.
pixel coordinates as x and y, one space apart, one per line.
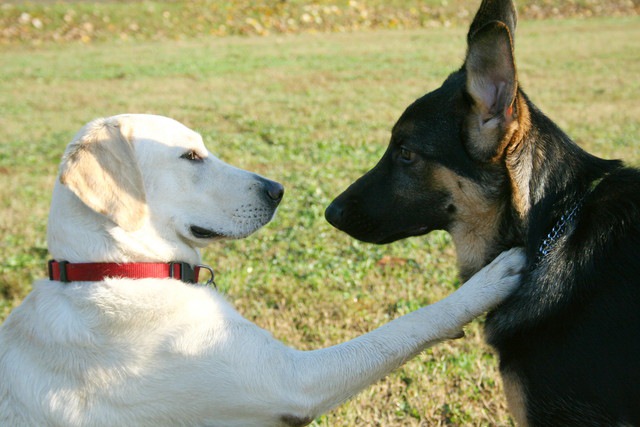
150 352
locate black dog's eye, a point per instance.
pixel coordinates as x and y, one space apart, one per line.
407 156
192 156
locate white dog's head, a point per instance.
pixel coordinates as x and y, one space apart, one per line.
145 188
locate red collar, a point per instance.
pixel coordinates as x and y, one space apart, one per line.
97 271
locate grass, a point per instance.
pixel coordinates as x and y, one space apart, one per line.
82 21
313 112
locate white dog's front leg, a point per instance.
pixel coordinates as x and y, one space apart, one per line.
320 380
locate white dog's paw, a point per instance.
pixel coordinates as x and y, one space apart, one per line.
493 284
506 269
503 274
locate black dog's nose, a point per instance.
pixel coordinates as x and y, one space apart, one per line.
333 214
275 190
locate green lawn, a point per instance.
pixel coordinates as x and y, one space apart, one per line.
313 112
39 21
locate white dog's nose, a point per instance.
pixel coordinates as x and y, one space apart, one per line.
274 189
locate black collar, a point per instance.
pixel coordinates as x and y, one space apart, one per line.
558 230
566 220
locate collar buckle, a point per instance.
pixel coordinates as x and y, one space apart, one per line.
62 270
189 274
186 274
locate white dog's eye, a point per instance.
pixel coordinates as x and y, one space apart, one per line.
192 156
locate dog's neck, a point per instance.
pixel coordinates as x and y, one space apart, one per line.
550 175
87 236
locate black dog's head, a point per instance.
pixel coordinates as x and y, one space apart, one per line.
446 165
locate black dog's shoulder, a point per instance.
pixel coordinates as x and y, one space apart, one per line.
610 215
571 329
606 240
600 253
615 201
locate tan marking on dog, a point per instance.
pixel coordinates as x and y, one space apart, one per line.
510 131
516 399
476 220
518 165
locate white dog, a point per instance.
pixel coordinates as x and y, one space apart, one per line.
114 338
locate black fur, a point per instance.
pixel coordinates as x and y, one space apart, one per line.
570 334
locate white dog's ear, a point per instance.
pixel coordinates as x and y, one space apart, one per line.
99 166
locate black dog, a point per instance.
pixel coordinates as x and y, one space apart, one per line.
477 158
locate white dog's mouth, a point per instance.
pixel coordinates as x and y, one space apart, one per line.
204 233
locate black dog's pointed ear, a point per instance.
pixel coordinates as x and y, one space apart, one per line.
492 85
495 10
